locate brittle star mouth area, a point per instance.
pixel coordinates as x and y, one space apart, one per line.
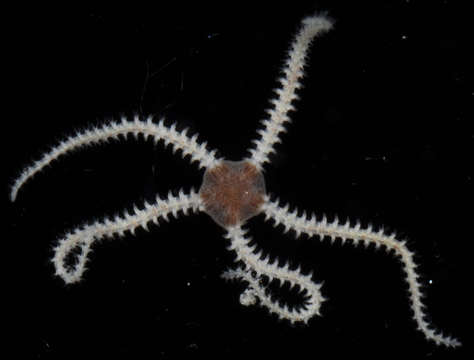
232 192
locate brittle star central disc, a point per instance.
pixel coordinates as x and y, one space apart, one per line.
232 192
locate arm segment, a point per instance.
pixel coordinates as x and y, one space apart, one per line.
255 267
293 73
77 244
178 140
312 227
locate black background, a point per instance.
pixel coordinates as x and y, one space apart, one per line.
382 133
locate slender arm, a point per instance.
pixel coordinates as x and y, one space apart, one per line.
290 82
178 140
77 243
312 227
255 267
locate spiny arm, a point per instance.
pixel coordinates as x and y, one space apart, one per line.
312 227
293 73
77 244
169 135
255 267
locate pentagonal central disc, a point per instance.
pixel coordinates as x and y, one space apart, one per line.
232 192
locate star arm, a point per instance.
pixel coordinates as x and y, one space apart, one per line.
147 128
75 246
344 231
256 267
293 71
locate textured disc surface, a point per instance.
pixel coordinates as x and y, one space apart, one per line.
232 192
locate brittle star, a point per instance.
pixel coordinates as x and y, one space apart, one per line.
231 193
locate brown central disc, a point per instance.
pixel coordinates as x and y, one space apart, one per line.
232 192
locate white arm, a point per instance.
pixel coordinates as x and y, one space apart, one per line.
255 267
312 227
178 140
77 243
294 72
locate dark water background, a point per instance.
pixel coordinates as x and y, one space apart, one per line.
383 134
